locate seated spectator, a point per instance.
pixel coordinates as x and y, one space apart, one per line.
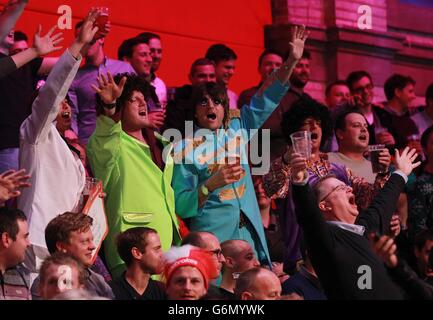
83 98
421 195
423 245
336 233
258 284
304 282
396 117
208 242
60 272
71 233
424 119
225 65
140 249
239 257
187 272
45 154
14 240
136 195
362 90
10 183
179 110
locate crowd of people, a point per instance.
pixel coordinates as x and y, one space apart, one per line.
187 216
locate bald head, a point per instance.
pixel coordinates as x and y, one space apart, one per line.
200 239
258 284
239 256
209 242
232 248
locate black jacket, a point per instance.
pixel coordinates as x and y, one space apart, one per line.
340 257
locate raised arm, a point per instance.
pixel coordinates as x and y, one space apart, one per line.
46 106
378 215
310 219
8 18
273 89
42 45
276 181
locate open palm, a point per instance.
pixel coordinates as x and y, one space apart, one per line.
47 44
299 35
109 90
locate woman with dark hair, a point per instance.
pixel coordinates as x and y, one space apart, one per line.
308 115
420 197
212 179
126 154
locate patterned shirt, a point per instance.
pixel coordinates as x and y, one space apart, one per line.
277 181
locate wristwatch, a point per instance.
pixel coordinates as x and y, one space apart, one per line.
204 190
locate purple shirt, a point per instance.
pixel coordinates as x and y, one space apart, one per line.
83 97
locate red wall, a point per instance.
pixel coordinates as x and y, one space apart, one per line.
187 29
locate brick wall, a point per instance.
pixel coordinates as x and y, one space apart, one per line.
308 12
339 46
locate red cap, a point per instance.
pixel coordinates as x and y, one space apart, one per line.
190 256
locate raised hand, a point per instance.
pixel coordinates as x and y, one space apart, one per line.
299 35
10 182
47 44
404 162
385 248
109 90
88 30
298 167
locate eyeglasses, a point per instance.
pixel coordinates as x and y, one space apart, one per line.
217 252
205 102
337 188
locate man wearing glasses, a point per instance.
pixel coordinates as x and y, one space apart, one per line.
336 233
